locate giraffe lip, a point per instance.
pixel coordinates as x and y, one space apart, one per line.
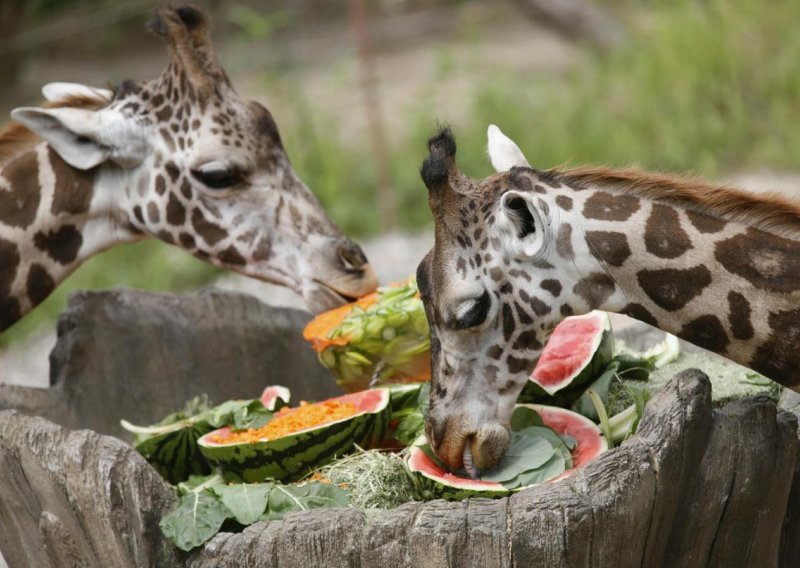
345 297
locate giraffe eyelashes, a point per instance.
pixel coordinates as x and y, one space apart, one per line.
472 313
218 176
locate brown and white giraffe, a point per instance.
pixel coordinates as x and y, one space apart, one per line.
518 251
181 158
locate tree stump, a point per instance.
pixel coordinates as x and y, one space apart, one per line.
141 355
697 486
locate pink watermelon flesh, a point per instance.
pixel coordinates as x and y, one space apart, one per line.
568 350
272 394
590 444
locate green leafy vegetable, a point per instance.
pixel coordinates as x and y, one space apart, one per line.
522 417
198 517
288 498
601 385
525 453
246 501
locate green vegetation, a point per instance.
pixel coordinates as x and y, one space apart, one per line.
706 86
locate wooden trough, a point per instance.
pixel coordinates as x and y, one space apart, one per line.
698 486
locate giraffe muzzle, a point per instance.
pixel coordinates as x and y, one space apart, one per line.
465 448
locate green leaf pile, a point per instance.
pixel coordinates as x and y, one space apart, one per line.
384 339
209 503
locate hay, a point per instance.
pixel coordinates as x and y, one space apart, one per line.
374 479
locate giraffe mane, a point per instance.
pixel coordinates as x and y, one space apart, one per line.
15 138
771 211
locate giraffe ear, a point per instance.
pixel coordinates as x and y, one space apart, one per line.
60 91
503 152
524 224
85 138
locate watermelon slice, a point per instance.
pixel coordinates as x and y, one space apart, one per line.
437 482
578 350
292 456
275 397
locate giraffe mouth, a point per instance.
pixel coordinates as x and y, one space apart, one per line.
346 298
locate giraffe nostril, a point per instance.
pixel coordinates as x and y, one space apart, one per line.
351 255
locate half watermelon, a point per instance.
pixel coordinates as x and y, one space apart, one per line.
578 350
437 482
293 455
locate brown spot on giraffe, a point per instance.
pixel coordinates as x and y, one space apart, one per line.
610 207
176 212
20 201
706 332
663 235
767 261
739 316
673 288
39 284
639 312
152 212
779 357
73 188
9 261
564 242
210 232
551 285
596 289
161 185
564 202
232 256
610 247
705 223
62 245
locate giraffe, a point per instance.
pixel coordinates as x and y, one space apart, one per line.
520 250
181 158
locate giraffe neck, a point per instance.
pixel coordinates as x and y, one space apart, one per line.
725 285
52 218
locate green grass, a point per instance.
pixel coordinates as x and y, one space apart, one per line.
706 86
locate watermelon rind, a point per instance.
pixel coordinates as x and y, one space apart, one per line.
290 457
569 387
435 482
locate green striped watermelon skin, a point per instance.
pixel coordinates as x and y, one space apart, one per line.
175 455
291 457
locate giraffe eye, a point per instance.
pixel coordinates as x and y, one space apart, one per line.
476 314
218 176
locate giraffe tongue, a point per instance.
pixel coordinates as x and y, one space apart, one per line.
469 463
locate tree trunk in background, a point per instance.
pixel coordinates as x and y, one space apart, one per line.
576 20
387 207
11 15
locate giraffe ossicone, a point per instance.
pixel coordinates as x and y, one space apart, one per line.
181 158
520 250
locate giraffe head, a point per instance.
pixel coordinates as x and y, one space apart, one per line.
184 159
492 289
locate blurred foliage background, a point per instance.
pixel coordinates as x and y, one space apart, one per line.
711 86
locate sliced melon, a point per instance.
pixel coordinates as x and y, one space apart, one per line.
275 397
577 351
441 483
292 456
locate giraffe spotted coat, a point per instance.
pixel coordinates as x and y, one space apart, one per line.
517 252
